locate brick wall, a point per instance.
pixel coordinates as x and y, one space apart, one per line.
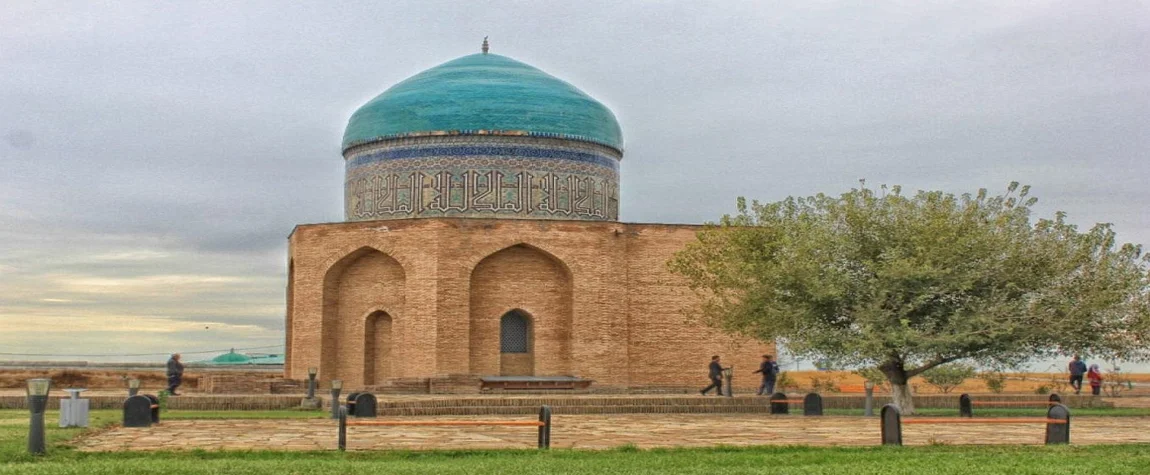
602 303
525 279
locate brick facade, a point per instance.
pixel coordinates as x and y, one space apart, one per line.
382 301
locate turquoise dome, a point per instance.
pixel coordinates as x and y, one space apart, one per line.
483 94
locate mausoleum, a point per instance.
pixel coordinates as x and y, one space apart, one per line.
481 240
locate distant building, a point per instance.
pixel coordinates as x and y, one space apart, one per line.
482 239
232 358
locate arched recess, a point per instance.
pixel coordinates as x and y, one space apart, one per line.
377 343
531 281
357 285
516 355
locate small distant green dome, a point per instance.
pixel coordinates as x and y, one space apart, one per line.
231 358
483 94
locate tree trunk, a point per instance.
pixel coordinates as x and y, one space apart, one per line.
901 396
899 387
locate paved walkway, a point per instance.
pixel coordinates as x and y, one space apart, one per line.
595 432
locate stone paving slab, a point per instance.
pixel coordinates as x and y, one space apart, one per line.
594 432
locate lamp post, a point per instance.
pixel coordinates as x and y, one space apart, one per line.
133 387
37 403
869 407
728 373
336 385
311 372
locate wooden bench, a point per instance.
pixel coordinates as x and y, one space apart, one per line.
543 424
966 404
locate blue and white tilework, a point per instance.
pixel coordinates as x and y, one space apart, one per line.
482 176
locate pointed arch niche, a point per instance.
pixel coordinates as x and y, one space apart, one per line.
377 359
531 290
368 283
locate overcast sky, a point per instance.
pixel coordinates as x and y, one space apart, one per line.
154 156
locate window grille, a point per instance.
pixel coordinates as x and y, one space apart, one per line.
514 330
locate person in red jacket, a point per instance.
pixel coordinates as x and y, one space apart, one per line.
1095 378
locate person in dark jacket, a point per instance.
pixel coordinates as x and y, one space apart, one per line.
770 371
716 375
1077 370
175 373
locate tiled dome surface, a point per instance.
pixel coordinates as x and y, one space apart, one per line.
483 94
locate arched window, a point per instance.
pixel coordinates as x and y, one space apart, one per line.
514 333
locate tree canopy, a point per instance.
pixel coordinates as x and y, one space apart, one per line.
910 282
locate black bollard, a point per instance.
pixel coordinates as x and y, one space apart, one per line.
779 405
341 440
38 389
891 420
545 428
1058 433
868 405
965 407
365 405
311 372
813 405
730 375
336 386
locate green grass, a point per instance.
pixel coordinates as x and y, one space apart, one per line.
982 460
774 460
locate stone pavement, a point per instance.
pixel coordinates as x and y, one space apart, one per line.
595 432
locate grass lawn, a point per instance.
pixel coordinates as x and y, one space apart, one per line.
1121 459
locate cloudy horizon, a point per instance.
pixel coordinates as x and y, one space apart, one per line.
156 157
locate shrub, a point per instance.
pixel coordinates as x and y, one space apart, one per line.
948 376
821 385
995 381
1060 382
785 382
1043 389
1115 381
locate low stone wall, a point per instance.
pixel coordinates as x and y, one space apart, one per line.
561 404
215 403
249 383
948 401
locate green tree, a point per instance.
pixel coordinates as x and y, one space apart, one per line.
948 376
995 380
907 283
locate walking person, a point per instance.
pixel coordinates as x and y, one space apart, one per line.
175 373
1095 378
770 371
1077 370
716 375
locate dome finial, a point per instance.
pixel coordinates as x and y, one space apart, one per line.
485 45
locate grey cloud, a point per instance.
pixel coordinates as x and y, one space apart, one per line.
206 132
